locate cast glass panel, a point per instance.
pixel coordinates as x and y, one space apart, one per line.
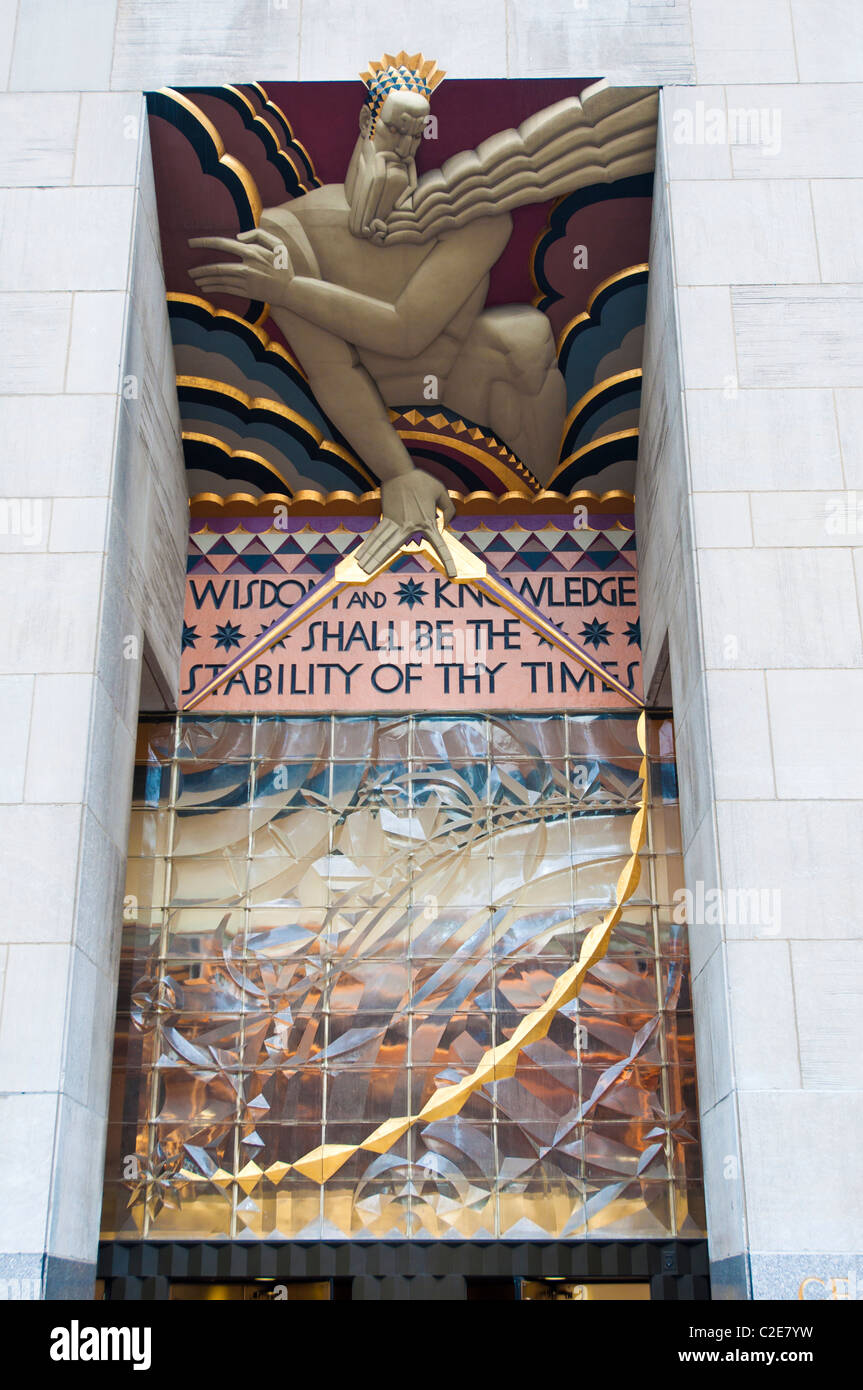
328 920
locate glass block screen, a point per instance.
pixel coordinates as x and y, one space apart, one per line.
328 919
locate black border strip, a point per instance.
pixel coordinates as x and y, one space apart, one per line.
677 1269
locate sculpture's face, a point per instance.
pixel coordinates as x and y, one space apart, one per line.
399 126
386 169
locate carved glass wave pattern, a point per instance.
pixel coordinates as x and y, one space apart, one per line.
328 919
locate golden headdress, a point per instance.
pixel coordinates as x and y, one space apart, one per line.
403 72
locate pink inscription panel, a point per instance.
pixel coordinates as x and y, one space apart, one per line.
412 640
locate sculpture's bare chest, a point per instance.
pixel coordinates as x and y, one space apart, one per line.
342 258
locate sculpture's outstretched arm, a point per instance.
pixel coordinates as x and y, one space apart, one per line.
436 291
607 133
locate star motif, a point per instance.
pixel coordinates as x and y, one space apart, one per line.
544 641
264 628
151 1000
227 636
633 633
190 636
157 1182
410 592
595 634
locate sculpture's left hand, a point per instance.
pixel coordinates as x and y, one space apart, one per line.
264 270
377 231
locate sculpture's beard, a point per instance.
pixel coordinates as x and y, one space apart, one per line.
380 179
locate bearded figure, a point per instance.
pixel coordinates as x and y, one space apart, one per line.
379 284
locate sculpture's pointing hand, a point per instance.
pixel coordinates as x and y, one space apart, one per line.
434 536
410 503
385 540
263 272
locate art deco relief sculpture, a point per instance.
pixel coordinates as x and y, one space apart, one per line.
379 284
